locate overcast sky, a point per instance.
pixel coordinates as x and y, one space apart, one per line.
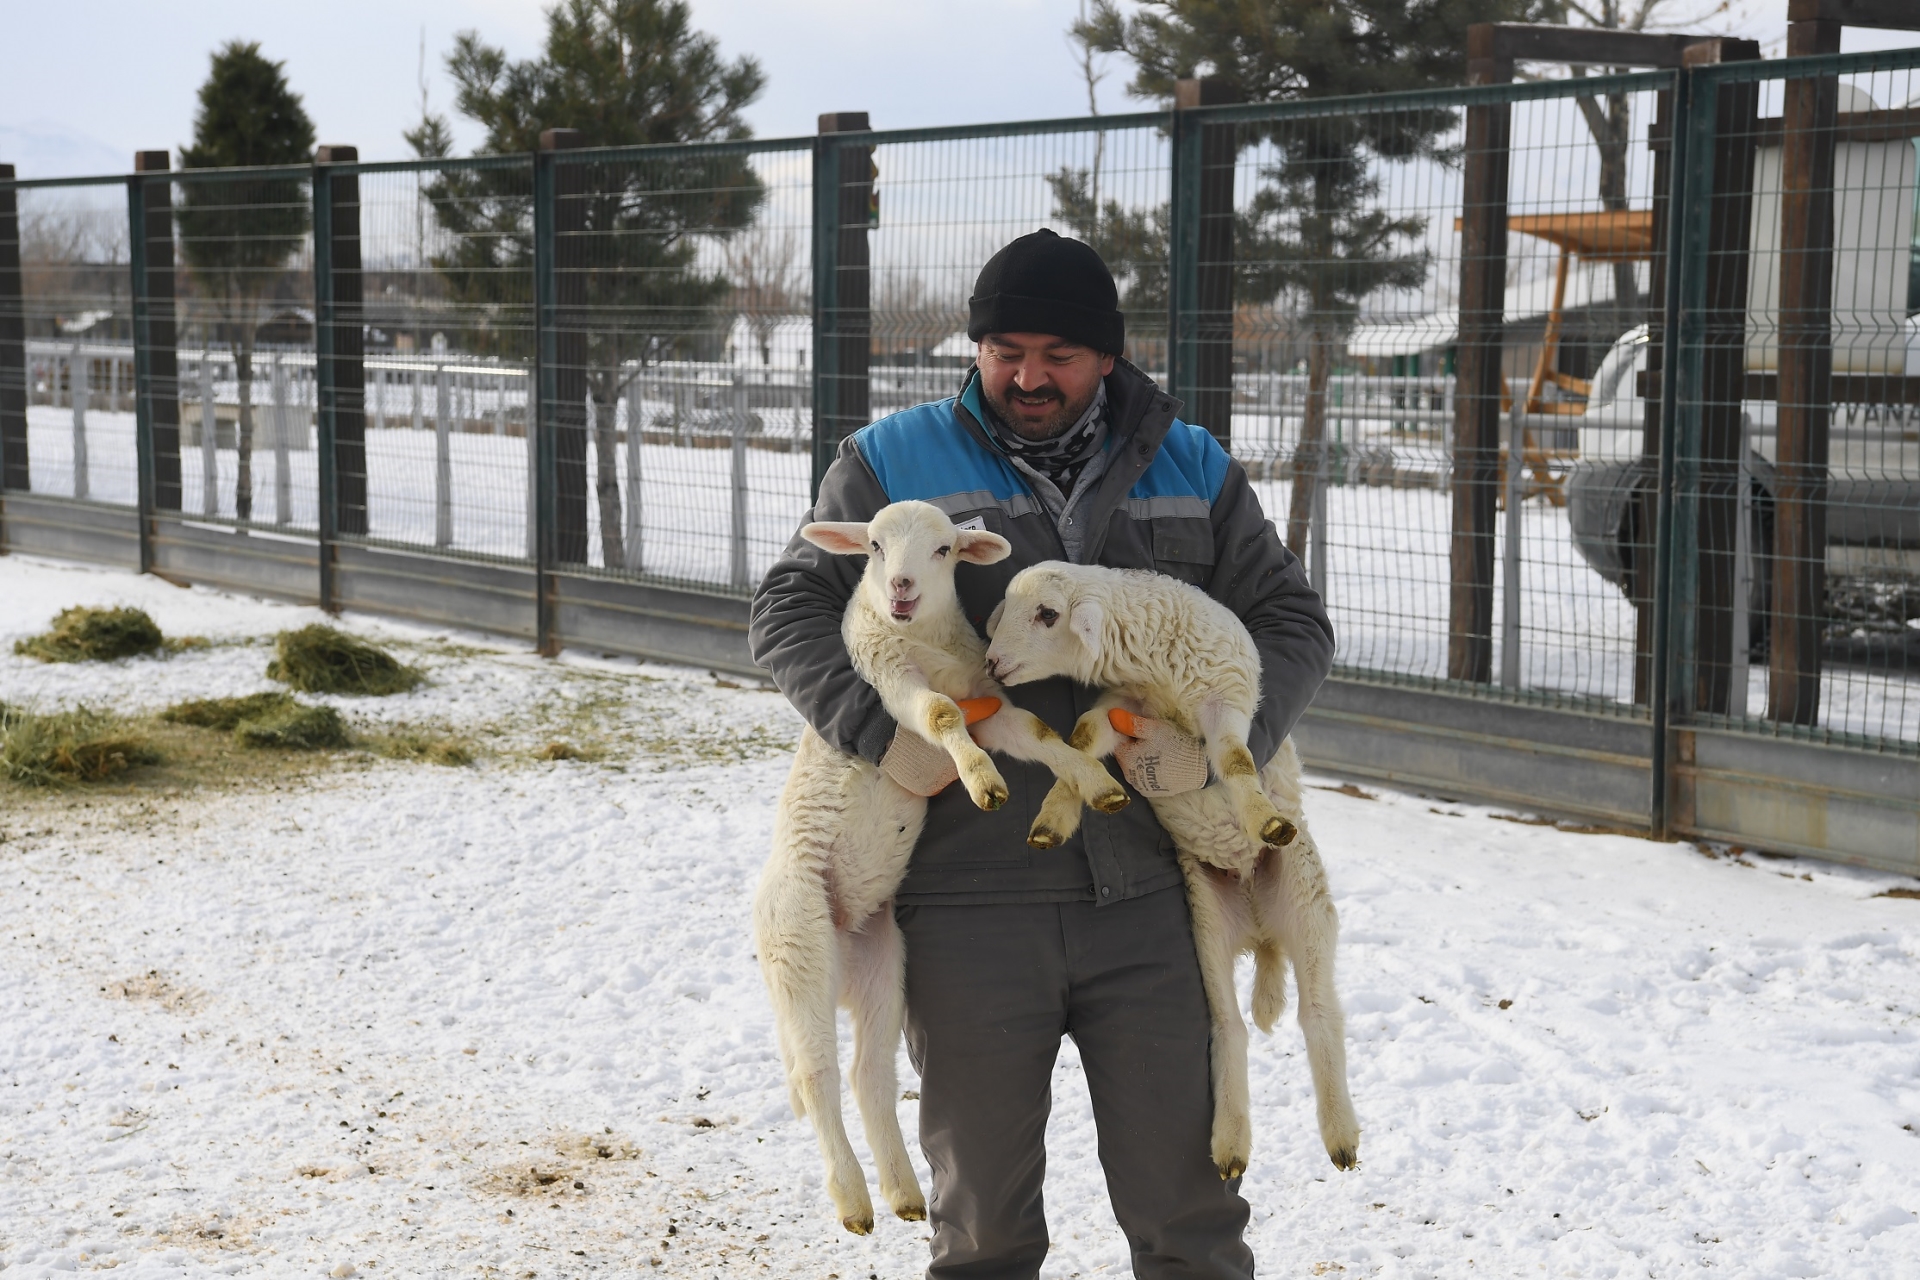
87 82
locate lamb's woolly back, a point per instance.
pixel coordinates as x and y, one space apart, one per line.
1158 632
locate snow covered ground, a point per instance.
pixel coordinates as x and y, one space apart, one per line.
504 1020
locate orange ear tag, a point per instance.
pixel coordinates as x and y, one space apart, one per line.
1125 722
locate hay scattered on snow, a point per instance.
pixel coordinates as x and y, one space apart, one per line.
86 634
225 714
67 746
410 744
320 659
293 727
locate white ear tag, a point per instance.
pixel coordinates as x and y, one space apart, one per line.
977 524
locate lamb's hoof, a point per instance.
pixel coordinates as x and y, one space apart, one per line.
1278 831
858 1224
993 797
1345 1158
1045 838
911 1213
1232 1169
1112 801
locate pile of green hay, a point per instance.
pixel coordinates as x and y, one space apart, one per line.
319 659
67 746
264 720
293 727
225 714
86 634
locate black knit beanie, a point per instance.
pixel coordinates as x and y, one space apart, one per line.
1045 283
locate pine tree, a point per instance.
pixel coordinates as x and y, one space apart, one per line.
1310 225
623 73
237 237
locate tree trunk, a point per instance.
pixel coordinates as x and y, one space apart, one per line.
604 407
243 432
1313 434
1612 131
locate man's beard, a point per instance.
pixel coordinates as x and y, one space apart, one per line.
1064 415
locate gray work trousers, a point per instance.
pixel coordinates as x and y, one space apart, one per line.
990 991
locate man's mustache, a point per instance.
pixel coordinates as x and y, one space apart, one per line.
1049 393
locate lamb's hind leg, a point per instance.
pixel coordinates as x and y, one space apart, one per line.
1292 899
876 982
1225 732
1079 776
1218 925
800 959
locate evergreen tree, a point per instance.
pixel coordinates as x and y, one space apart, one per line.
623 73
236 237
1310 231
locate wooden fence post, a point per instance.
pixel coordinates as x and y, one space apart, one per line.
1806 381
1476 432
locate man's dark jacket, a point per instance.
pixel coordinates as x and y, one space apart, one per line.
1171 500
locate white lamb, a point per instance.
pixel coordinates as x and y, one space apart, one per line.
1168 650
823 916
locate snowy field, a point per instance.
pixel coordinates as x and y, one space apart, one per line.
505 1020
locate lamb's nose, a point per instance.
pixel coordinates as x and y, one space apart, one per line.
902 585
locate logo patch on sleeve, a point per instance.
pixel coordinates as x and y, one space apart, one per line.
974 522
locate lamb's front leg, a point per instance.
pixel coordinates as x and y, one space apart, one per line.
1081 778
1094 739
939 720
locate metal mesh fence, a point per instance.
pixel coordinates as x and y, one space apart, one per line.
1327 333
446 331
681 365
1797 439
945 205
241 253
1433 327
76 308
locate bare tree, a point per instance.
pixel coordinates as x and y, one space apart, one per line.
768 285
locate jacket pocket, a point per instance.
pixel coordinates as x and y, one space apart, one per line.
1183 549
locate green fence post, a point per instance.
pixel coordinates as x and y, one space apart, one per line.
842 286
1183 257
14 472
1203 158
539 411
1482 335
1712 348
339 367
156 332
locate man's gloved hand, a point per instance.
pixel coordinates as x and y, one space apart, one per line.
1157 758
923 768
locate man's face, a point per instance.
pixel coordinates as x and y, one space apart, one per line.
1037 383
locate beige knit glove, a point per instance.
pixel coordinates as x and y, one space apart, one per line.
923 768
1156 758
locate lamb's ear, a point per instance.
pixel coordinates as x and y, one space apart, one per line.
993 619
1086 621
842 537
981 547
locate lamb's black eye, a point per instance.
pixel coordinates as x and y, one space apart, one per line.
876 547
1047 616
942 551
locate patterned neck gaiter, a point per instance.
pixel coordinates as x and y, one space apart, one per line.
1062 458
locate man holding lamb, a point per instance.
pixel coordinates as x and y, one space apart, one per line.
1061 446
